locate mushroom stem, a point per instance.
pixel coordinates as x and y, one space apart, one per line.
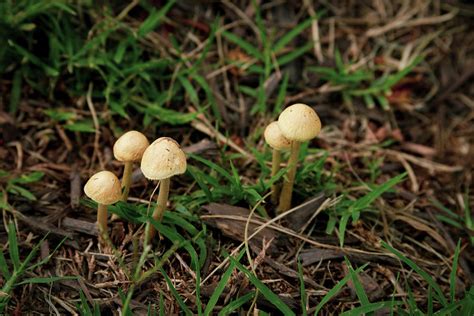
287 189
102 219
126 180
276 160
160 206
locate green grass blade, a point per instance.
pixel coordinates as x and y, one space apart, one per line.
342 227
4 267
302 289
285 59
215 167
412 306
246 46
371 307
468 303
383 101
332 292
260 103
262 30
162 304
359 289
13 247
363 202
449 309
196 174
391 80
175 293
190 91
443 208
236 304
35 250
339 62
454 269
219 289
29 177
280 100
288 37
263 289
21 191
210 96
50 71
369 101
421 272
46 280
449 221
154 19
84 308
197 269
370 197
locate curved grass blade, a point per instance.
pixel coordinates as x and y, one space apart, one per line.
221 286
262 288
175 293
234 305
371 307
421 272
336 290
454 269
359 289
302 289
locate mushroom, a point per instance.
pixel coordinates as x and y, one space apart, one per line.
128 149
103 188
162 160
277 142
298 123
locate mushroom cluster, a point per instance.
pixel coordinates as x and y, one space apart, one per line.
159 161
297 124
164 159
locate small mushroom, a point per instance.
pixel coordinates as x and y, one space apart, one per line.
277 142
298 123
103 188
162 160
128 149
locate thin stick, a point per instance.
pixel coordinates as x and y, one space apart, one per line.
287 190
314 31
95 120
276 160
160 206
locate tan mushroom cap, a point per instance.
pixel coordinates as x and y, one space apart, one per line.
299 122
163 159
274 137
130 146
104 188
